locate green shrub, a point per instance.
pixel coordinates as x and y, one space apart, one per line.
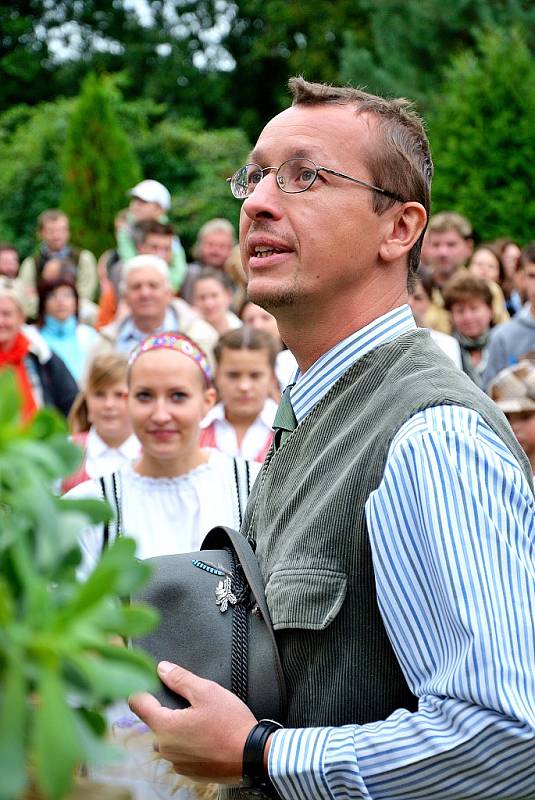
99 165
483 138
58 669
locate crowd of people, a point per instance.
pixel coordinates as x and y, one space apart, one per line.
478 301
170 376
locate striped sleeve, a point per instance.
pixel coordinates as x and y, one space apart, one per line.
452 533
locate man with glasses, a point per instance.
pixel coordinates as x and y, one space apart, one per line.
394 516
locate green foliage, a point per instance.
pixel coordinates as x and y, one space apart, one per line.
99 165
190 160
58 670
409 43
193 164
483 137
31 140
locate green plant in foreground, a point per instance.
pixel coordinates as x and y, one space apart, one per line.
58 667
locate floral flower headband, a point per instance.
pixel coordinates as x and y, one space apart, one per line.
174 341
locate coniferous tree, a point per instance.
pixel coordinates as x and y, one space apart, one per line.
99 166
483 137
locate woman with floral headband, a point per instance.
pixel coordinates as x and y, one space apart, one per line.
167 501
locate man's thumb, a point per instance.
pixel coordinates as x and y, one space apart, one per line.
178 679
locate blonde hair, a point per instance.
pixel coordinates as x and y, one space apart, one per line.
104 371
13 289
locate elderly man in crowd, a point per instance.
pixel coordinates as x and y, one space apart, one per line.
146 288
394 515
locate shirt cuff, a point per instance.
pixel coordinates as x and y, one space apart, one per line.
312 762
295 763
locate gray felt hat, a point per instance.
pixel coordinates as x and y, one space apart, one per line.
215 622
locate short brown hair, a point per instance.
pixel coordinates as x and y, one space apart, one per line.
104 371
527 256
247 338
450 221
142 230
50 215
46 287
463 286
401 163
209 273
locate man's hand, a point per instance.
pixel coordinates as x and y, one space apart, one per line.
204 741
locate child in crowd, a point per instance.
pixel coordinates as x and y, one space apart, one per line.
212 298
421 304
241 423
150 200
99 421
468 298
513 390
285 365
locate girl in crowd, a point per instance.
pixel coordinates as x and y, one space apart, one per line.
166 501
509 253
42 377
257 317
486 263
99 421
58 322
241 423
212 298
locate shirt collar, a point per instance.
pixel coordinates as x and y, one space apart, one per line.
96 447
314 384
130 335
217 414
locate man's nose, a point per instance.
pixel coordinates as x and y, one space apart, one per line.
265 201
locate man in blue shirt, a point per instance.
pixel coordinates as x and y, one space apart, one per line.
336 195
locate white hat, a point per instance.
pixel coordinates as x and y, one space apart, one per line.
152 192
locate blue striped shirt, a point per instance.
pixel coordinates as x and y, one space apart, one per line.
452 532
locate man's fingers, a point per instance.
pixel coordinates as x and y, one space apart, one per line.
147 707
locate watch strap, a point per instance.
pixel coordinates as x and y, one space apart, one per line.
255 777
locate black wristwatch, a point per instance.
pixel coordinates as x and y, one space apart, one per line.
255 778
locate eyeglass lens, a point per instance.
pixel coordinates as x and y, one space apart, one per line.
295 175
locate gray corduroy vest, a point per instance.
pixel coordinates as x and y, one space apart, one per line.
306 514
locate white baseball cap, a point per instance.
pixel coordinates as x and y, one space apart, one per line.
152 192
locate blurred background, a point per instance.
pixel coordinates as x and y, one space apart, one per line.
178 90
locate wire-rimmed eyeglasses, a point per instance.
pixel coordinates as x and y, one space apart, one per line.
293 176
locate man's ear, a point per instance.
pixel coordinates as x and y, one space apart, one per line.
404 230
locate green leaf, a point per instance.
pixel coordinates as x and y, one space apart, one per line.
6 603
97 511
91 729
13 715
55 737
131 620
46 423
116 672
10 405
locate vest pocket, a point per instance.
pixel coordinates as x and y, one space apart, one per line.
308 598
